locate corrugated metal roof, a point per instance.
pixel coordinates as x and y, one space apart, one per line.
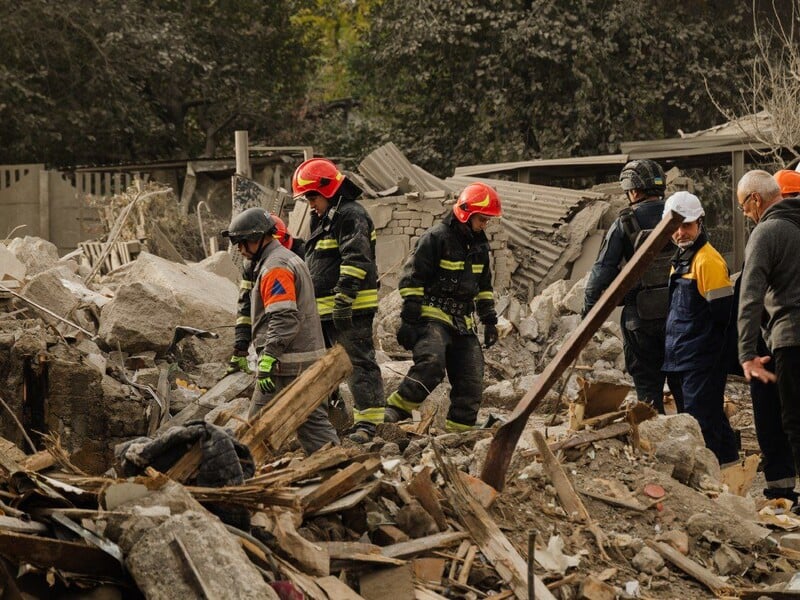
387 167
544 163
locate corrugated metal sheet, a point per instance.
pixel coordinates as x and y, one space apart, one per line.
387 167
543 163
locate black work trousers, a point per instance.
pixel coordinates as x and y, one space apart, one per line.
787 368
439 350
702 395
643 345
365 382
776 450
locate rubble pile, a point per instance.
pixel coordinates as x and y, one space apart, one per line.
128 467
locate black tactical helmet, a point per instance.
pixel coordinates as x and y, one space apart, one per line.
646 175
250 225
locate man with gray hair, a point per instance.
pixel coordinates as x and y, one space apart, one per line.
770 293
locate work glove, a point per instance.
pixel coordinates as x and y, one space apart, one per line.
238 362
490 335
266 364
342 311
408 334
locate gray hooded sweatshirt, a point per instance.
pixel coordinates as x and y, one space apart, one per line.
771 281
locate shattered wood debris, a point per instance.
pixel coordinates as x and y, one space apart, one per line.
615 501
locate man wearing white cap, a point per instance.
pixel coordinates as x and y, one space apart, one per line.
701 298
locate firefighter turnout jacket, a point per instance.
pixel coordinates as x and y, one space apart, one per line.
448 274
341 257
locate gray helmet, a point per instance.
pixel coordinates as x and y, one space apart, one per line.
250 225
646 175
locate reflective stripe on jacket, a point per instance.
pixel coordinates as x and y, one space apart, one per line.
341 258
283 311
449 273
700 309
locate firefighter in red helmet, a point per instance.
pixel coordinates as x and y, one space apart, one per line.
341 257
444 282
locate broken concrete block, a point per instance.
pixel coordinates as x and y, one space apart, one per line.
48 290
727 560
680 455
743 506
610 349
158 561
10 266
221 264
122 322
706 463
502 393
544 311
572 302
36 254
391 252
667 427
205 300
529 328
648 561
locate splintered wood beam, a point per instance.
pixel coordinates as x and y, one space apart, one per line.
494 545
274 423
693 569
505 440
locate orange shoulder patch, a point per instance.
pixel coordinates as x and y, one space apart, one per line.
278 286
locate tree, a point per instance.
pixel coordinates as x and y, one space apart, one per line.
135 80
498 80
772 86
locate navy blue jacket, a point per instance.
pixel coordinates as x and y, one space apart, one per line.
700 309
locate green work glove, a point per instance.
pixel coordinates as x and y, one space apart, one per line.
238 362
266 364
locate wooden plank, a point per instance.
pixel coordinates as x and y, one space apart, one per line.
397 582
344 550
340 483
570 500
421 487
19 526
38 462
505 440
423 544
587 437
275 423
494 545
337 589
346 502
691 568
58 554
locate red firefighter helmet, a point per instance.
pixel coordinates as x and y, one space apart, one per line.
477 198
317 175
281 233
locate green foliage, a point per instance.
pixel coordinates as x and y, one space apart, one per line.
109 80
497 80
